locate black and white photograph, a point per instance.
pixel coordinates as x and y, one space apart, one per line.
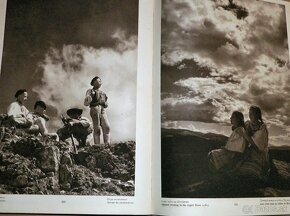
225 99
68 88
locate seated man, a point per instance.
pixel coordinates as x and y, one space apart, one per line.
77 126
39 120
18 114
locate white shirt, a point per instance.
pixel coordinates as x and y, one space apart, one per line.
236 141
16 109
260 138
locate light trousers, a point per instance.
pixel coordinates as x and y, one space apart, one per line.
100 124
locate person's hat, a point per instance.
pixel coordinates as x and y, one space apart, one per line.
74 111
93 80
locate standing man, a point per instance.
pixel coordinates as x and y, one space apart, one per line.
17 113
97 100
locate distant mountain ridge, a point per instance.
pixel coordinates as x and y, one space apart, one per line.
185 132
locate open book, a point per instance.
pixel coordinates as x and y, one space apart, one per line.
167 107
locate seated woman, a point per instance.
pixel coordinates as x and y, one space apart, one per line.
256 162
234 147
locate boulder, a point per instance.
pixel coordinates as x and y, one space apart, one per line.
66 159
21 181
65 174
28 147
49 159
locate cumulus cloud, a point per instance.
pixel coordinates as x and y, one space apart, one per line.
187 109
67 72
225 55
213 101
206 31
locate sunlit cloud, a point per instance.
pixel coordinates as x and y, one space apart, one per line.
67 72
242 48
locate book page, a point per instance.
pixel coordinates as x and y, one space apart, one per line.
221 65
75 105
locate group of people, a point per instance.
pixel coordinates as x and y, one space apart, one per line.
246 151
76 126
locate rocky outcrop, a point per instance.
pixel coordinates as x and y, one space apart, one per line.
31 165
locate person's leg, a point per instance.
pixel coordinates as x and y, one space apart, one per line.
105 127
22 122
95 113
81 133
34 129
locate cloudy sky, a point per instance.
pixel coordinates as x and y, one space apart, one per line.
224 55
54 48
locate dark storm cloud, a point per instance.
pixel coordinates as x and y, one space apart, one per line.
256 89
271 102
203 39
239 11
227 79
190 111
182 70
185 69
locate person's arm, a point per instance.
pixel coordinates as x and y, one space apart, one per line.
104 100
85 122
28 115
88 98
236 142
41 124
106 104
82 121
246 136
43 130
259 140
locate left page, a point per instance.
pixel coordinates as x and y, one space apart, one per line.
74 105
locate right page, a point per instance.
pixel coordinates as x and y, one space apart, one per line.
221 111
